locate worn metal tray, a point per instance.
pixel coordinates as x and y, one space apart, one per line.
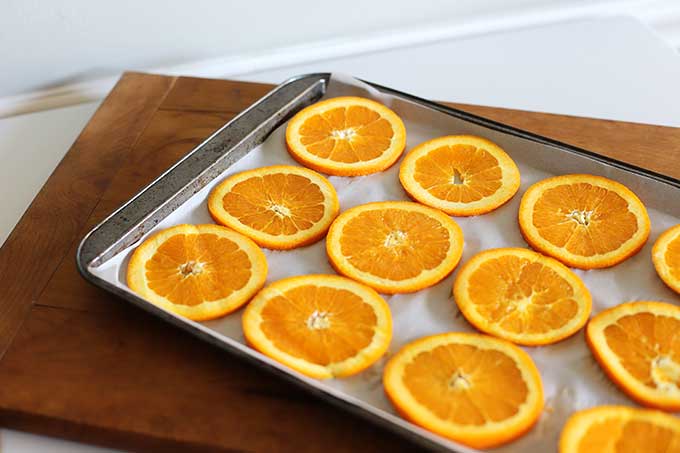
136 218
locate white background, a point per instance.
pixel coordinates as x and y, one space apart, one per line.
64 51
45 44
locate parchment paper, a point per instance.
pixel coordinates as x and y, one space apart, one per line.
572 379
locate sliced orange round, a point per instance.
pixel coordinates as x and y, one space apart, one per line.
638 346
322 326
279 207
474 389
585 221
394 246
462 175
198 271
620 429
346 136
521 296
666 257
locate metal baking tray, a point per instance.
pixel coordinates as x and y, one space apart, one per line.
209 161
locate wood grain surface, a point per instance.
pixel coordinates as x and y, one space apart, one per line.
78 363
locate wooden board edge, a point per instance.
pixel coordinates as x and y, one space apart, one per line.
54 219
95 435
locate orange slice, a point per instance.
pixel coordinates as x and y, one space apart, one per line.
198 271
666 257
474 389
323 326
346 136
394 246
279 207
585 221
521 296
620 429
462 175
638 346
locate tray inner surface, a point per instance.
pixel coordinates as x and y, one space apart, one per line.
572 380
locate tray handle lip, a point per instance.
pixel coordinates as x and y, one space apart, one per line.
82 265
675 182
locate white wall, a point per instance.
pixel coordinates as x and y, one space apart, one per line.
60 52
51 43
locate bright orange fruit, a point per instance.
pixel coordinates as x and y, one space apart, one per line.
394 246
323 326
585 221
620 429
521 296
462 175
666 257
474 389
198 271
279 207
346 136
638 346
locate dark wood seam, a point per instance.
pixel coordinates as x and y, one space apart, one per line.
70 430
207 111
36 295
94 207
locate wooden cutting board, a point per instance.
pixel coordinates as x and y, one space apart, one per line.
78 363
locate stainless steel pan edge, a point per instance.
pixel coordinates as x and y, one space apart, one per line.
528 135
201 165
231 142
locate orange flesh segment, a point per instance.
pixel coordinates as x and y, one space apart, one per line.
618 435
522 296
277 204
189 269
460 383
394 244
347 134
321 325
459 173
584 219
672 258
648 348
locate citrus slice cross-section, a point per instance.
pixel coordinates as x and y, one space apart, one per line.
638 346
666 257
323 326
394 246
474 389
462 175
585 221
346 136
521 296
620 429
279 207
198 271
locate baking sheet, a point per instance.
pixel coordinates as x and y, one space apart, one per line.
572 379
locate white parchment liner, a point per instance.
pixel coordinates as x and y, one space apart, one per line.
572 379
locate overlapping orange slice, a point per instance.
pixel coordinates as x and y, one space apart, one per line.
620 429
323 326
462 175
475 389
346 136
666 257
197 271
394 246
585 221
279 207
521 296
638 345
